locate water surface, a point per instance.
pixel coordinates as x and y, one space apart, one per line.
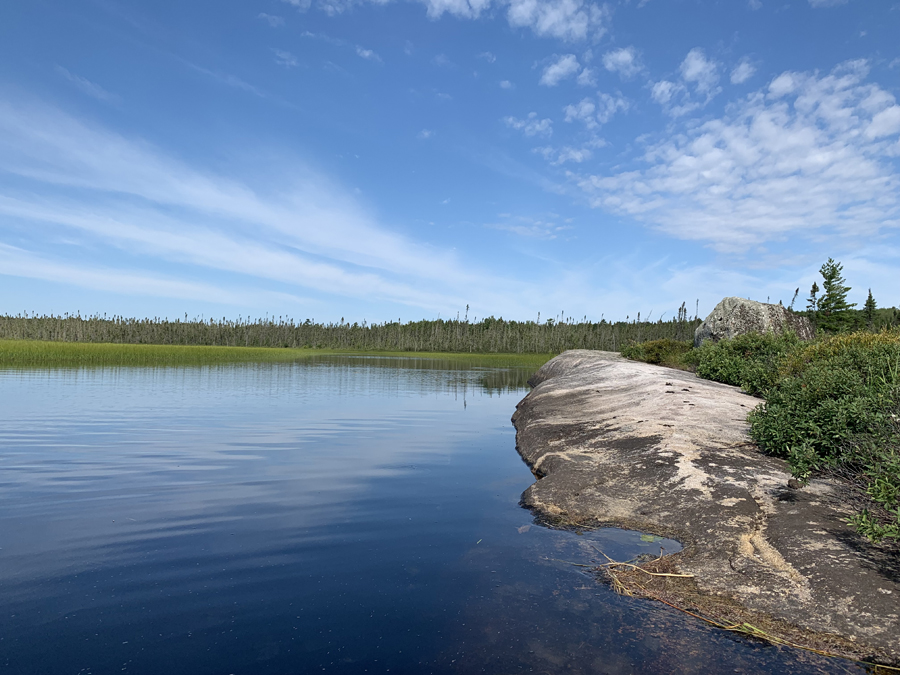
342 515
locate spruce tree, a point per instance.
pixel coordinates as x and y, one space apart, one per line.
812 304
833 308
869 310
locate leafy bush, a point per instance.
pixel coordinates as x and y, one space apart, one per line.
666 352
751 361
834 404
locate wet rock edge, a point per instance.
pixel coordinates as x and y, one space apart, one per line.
619 443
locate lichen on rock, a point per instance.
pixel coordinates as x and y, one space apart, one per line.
737 316
617 442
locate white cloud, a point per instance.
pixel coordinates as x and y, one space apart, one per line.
827 3
563 67
593 115
566 153
87 87
885 123
569 154
624 61
742 72
531 125
582 111
284 58
698 73
806 155
336 7
754 4
784 84
272 20
506 84
540 228
609 106
674 98
586 78
569 20
487 56
468 9
324 37
663 91
703 72
367 54
443 61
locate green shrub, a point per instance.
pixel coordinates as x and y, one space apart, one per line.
666 352
834 404
751 361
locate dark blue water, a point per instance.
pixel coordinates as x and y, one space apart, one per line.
344 515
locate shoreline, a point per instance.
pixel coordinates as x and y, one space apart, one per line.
644 447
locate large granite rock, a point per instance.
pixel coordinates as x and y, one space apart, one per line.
736 316
659 450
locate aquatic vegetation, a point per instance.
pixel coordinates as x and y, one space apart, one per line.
38 353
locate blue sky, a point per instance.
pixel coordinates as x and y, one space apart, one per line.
381 160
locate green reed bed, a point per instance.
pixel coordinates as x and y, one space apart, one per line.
28 353
44 354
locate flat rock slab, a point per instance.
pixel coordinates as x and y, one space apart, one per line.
649 448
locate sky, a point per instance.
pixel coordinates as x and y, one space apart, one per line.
387 159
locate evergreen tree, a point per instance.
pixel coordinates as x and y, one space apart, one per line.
869 310
833 308
812 304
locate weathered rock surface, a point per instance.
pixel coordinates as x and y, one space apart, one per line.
736 316
659 450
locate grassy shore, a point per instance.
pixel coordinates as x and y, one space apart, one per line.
43 354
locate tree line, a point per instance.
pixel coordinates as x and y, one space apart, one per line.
490 335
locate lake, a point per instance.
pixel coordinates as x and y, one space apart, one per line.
342 514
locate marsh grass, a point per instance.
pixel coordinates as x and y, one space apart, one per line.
42 354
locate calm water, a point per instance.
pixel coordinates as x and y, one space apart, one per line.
342 515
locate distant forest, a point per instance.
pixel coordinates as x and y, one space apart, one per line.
485 336
490 335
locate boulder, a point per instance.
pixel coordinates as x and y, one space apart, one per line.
737 316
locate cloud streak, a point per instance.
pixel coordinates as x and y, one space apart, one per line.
106 192
87 87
